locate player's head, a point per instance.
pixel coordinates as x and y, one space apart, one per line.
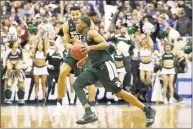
93 16
75 13
82 23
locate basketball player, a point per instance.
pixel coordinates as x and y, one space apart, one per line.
69 31
104 70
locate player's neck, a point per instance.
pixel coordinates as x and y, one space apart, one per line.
85 31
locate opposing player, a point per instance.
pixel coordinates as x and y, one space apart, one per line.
69 31
104 70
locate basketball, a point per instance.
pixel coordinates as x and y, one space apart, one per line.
76 51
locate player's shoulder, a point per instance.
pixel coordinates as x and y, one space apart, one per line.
92 32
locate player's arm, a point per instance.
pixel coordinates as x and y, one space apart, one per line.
102 44
82 62
66 36
92 26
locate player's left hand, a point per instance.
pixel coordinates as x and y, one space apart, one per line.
86 49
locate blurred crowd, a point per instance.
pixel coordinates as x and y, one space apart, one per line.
160 22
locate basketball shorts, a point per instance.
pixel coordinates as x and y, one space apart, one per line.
106 74
72 62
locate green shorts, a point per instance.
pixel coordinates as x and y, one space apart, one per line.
106 75
72 62
87 65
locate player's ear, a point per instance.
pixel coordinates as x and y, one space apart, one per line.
85 25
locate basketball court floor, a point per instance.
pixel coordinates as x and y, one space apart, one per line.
110 116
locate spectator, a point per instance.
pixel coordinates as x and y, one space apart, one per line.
151 9
4 12
23 33
183 25
173 36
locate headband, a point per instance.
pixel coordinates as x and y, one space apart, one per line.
86 20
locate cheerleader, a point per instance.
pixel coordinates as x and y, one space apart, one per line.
146 65
13 60
168 72
40 67
119 62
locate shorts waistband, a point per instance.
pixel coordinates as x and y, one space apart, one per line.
146 62
39 66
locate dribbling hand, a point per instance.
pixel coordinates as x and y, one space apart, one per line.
86 49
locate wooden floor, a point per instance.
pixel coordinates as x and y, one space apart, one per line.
110 116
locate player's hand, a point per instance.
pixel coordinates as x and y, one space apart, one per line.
86 49
81 63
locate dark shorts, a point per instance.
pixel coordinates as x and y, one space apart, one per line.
72 62
106 74
87 65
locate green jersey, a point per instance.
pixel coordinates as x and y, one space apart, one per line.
97 57
72 30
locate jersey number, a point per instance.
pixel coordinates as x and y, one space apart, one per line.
77 36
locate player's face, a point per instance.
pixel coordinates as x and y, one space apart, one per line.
80 26
75 15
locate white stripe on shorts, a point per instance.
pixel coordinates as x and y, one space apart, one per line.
111 69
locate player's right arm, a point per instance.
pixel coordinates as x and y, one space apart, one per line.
66 36
92 26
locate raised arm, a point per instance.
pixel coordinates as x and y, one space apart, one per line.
66 36
46 43
34 41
